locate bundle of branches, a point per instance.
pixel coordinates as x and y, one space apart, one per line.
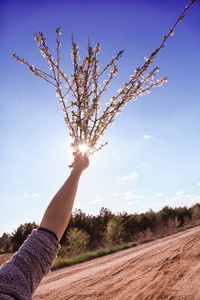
85 120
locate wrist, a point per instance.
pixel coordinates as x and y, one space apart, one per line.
76 172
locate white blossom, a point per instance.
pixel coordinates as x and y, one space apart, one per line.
83 117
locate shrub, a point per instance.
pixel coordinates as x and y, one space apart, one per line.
77 241
114 230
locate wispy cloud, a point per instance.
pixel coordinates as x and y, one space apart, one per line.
18 182
26 194
112 195
142 165
132 204
131 176
128 193
8 228
147 136
179 193
35 194
179 200
158 195
131 195
198 184
187 199
98 199
78 205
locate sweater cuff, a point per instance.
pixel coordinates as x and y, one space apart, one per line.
49 231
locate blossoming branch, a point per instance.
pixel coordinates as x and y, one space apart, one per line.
82 112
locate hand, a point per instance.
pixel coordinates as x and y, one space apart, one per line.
81 161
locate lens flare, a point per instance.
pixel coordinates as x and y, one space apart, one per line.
83 148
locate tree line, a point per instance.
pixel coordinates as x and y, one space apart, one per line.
87 232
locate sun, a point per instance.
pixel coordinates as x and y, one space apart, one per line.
83 148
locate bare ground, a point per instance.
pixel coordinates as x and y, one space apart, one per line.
168 268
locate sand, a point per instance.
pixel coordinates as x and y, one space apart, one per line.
168 268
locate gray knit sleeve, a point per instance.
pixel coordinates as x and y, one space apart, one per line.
20 277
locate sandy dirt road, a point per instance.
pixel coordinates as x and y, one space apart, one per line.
168 268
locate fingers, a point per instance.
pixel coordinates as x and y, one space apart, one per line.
75 153
81 161
78 152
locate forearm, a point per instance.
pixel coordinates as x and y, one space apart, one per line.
57 214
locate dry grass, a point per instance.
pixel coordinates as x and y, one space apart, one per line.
5 257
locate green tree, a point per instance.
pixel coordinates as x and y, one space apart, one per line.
196 212
114 230
77 241
21 234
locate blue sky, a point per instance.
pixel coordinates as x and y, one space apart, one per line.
152 156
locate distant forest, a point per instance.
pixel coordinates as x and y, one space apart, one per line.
88 232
